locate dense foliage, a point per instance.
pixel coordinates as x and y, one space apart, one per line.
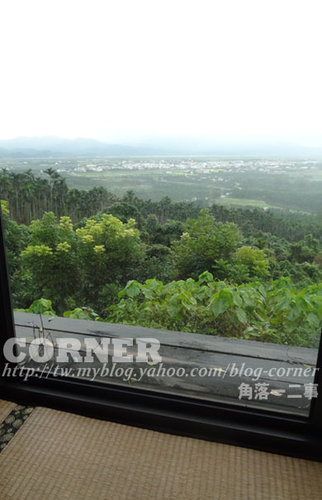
246 273
276 312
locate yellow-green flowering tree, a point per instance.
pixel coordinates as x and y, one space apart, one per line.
79 266
51 260
110 251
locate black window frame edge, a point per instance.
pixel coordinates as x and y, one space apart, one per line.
258 429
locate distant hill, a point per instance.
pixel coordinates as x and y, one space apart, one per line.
41 147
57 147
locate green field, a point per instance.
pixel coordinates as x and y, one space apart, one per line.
244 203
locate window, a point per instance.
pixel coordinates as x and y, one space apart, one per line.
166 269
161 410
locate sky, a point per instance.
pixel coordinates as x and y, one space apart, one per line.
129 71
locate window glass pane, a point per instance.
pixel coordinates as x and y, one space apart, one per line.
183 231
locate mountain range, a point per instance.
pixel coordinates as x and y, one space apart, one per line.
40 147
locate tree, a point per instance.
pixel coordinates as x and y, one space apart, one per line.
16 239
202 244
125 211
254 260
51 260
110 252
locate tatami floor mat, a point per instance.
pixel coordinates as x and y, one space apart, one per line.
57 455
5 408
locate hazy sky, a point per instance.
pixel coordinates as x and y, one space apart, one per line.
121 70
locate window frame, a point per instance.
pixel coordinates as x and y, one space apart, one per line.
181 415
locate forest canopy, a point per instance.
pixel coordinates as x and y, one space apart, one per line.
245 273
